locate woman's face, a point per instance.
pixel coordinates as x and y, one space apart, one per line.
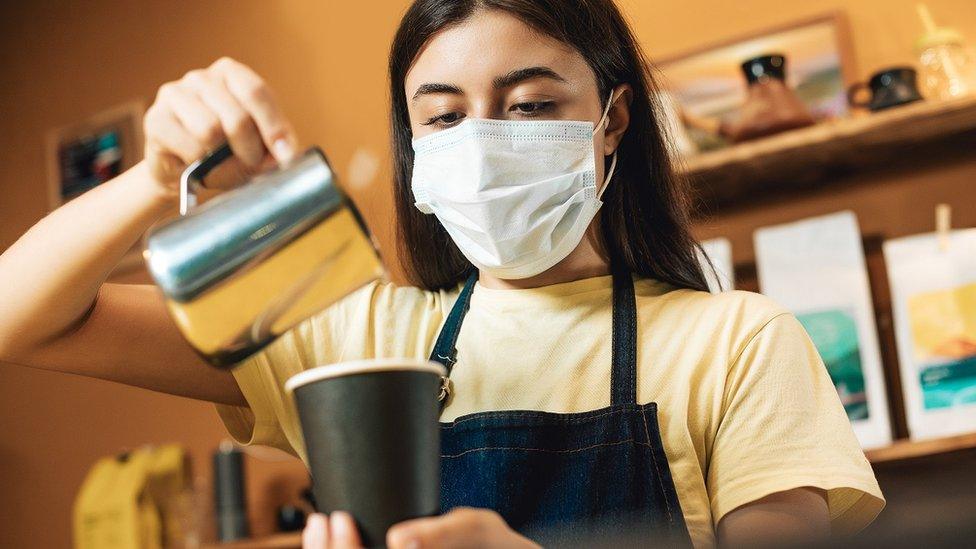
495 66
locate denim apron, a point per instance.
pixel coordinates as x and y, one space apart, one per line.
590 478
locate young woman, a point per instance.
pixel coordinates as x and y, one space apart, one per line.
596 387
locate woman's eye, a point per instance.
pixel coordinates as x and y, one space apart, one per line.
533 108
444 120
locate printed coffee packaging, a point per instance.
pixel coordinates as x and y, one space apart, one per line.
719 251
933 294
816 269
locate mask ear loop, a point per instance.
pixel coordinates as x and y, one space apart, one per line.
613 161
606 180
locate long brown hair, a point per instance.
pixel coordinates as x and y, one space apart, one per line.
645 220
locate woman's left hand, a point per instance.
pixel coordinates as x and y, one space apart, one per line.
462 527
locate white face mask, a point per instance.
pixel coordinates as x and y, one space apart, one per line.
515 196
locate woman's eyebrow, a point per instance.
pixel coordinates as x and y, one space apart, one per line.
527 73
435 87
500 82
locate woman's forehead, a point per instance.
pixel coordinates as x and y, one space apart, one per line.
488 45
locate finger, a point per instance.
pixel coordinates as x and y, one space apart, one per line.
459 528
170 134
240 130
255 96
343 532
316 533
193 115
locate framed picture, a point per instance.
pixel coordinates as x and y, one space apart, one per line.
708 83
86 154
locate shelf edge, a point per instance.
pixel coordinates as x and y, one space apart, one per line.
908 449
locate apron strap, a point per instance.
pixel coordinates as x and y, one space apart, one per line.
623 374
445 351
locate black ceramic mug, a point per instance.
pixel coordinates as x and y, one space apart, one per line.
772 65
889 88
372 440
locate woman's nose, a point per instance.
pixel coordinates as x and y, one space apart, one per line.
486 108
487 113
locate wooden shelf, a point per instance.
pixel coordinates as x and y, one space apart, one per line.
906 449
818 154
291 540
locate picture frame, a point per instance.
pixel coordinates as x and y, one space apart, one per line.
708 86
82 155
85 154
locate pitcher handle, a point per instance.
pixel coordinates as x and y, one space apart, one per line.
194 174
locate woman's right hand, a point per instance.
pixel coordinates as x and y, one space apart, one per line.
57 312
226 102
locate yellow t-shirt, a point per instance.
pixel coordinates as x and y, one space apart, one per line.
745 405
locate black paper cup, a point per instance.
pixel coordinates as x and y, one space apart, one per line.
372 440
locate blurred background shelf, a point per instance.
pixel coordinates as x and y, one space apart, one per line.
823 153
890 168
907 449
291 540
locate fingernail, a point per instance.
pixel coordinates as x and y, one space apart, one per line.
402 539
343 527
316 531
283 150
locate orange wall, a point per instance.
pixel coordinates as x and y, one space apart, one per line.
883 32
62 61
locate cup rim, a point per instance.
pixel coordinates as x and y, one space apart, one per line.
367 365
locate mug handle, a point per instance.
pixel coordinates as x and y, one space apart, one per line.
194 174
852 95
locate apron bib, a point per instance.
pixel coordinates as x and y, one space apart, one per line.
582 478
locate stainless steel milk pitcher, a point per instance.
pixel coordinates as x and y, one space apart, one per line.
248 265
